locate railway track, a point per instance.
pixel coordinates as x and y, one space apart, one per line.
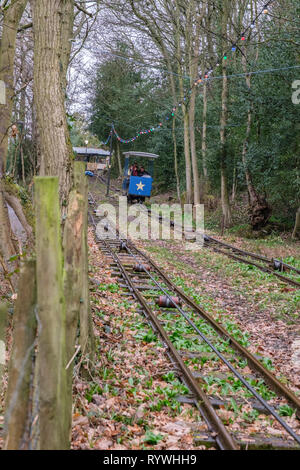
199 347
268 265
271 266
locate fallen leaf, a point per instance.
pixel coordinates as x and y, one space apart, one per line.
103 444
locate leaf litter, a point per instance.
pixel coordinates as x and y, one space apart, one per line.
127 402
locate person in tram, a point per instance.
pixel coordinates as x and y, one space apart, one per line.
135 170
143 172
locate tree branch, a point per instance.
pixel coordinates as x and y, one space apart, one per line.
25 26
79 7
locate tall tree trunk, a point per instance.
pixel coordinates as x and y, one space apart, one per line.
11 20
175 160
50 54
226 210
155 33
296 231
259 208
118 154
188 169
66 34
7 246
234 183
207 43
193 44
196 180
185 113
187 156
204 140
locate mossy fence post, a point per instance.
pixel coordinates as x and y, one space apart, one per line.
86 326
76 276
3 320
63 303
52 376
52 310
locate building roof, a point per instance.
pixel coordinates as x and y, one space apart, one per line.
89 151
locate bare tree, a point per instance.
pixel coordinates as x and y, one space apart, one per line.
12 14
226 210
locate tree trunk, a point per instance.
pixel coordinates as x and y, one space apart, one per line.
226 210
185 113
118 154
193 44
11 20
196 179
175 160
234 183
66 34
259 209
12 16
188 169
50 62
16 205
204 143
7 246
20 369
296 231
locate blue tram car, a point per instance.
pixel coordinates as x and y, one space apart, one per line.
137 183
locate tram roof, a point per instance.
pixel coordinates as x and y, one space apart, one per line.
140 154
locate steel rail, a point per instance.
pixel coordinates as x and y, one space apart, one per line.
224 360
262 268
164 336
272 381
253 362
239 250
223 438
173 351
253 255
258 257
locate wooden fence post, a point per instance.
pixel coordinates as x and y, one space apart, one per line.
20 367
53 422
3 320
74 269
86 326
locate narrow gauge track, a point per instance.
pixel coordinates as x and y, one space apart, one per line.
146 282
271 266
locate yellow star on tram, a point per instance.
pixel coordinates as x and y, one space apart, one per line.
140 186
